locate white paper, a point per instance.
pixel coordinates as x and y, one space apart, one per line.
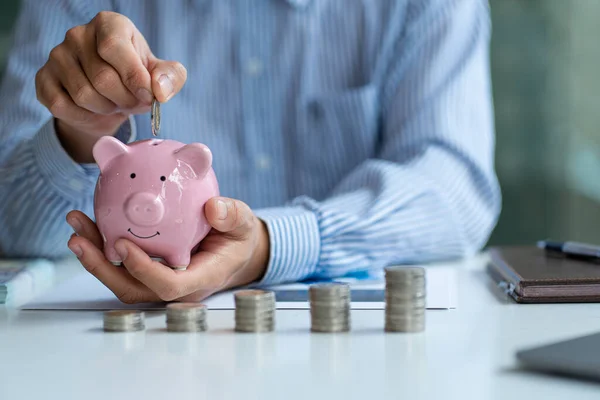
84 292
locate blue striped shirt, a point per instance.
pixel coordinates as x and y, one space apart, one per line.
360 131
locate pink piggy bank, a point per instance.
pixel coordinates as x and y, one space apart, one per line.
153 192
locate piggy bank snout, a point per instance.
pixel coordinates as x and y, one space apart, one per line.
144 209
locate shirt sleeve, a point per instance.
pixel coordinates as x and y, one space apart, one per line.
431 193
39 182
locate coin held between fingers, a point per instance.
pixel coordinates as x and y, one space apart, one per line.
155 117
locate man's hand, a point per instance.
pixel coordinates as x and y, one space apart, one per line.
234 253
100 74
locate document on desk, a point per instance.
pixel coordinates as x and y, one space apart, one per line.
84 292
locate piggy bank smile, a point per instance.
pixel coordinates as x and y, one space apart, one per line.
153 192
143 237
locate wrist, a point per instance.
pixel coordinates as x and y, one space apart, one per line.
76 143
79 143
260 258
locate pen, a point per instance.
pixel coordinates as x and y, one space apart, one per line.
574 249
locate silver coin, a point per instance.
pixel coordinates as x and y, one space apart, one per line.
330 329
405 299
331 322
123 321
254 296
404 311
405 329
321 325
186 317
330 290
405 326
394 271
330 307
404 318
336 303
406 286
249 308
330 317
255 321
329 313
155 117
251 321
255 315
391 299
329 296
255 325
187 327
254 311
405 273
399 278
405 281
258 307
186 309
407 316
406 294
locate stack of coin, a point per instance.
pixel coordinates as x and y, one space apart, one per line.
186 317
330 307
123 321
254 311
405 298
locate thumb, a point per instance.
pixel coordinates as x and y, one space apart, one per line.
168 77
229 216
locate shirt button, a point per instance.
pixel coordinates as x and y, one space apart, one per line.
263 162
254 67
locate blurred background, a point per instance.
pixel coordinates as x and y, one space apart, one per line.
545 63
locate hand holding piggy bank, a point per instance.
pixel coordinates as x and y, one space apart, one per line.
153 192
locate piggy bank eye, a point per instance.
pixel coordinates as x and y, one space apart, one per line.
162 178
132 176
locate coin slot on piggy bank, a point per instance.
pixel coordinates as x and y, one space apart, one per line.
152 192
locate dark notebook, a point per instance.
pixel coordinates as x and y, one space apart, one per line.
532 275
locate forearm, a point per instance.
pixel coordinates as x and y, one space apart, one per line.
39 185
384 213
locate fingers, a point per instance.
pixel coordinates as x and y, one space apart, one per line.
117 279
162 280
106 80
100 74
229 216
68 70
115 35
208 273
168 77
52 95
85 227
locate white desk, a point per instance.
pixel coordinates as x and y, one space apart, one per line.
464 354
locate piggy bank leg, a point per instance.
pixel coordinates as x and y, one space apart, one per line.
179 261
111 254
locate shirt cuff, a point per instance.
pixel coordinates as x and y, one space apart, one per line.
69 178
295 244
60 170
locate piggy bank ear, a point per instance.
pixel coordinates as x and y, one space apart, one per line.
197 156
106 149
